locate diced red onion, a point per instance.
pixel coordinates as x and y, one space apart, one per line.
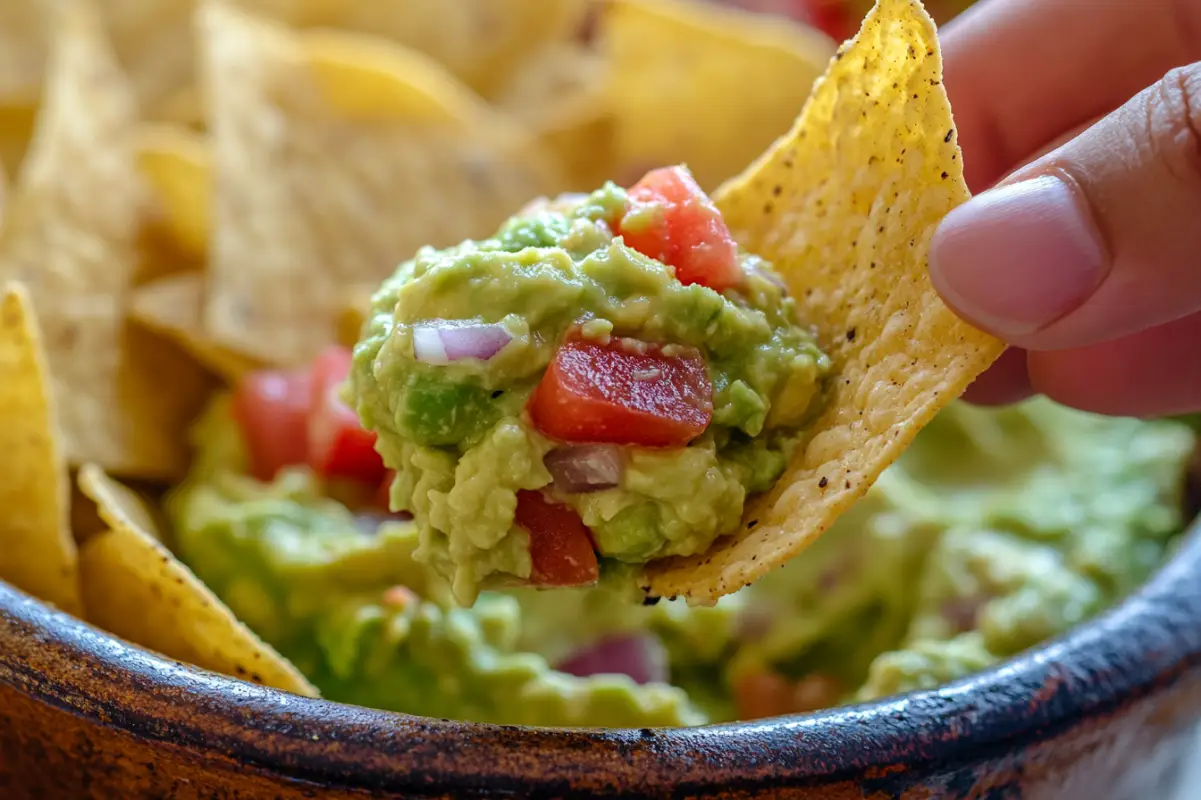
585 468
369 522
770 276
441 344
640 656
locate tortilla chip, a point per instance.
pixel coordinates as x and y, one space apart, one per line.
174 307
72 233
85 518
24 33
482 42
117 504
17 122
175 162
561 93
845 207
184 107
37 553
135 588
311 200
708 86
357 75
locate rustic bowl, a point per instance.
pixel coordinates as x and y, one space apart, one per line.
1105 712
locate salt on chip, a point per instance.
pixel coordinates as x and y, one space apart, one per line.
72 234
173 306
845 206
37 552
708 86
175 163
309 199
135 588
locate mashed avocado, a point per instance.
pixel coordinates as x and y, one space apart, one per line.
995 531
457 431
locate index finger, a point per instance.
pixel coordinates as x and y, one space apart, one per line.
1022 72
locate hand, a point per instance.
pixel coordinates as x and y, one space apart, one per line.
1087 260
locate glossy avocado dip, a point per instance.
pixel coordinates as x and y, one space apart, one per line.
995 531
607 370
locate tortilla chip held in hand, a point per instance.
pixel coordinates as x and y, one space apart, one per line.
845 206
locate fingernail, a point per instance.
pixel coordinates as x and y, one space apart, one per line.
1016 258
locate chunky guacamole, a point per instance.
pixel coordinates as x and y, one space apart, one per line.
995 531
608 365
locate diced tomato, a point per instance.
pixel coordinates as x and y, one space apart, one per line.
762 694
671 219
383 495
758 695
338 445
623 392
560 546
271 408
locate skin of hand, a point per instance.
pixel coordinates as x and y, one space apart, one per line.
1080 123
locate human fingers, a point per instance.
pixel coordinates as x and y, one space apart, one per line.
1022 72
1093 242
1153 373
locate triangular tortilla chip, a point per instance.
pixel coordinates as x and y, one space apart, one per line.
37 553
708 86
135 588
173 306
175 163
483 42
17 122
845 206
310 200
117 504
24 32
561 93
71 233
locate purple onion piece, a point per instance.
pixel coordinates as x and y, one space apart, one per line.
641 656
369 522
585 468
443 343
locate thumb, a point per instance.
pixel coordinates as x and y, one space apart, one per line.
1098 239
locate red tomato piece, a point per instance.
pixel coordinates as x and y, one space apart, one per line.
623 392
338 445
271 408
383 495
560 545
671 219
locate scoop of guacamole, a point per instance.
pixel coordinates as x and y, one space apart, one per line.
488 369
997 530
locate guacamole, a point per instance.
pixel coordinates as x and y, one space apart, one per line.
996 530
556 378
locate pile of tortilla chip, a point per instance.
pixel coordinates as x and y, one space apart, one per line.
192 189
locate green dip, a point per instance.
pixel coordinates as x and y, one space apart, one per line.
996 530
458 434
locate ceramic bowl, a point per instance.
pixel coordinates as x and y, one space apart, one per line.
1105 712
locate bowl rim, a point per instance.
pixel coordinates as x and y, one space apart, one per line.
1145 643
